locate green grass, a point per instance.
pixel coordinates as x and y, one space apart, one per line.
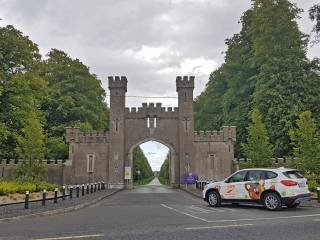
164 181
143 181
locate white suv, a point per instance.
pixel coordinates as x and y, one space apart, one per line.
270 187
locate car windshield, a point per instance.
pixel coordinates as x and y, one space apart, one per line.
293 174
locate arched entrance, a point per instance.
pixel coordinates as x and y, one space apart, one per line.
171 158
208 154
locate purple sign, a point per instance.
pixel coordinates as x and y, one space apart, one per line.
189 178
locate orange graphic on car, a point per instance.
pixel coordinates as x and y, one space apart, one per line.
230 188
255 189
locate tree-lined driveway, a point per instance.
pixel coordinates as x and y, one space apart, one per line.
158 212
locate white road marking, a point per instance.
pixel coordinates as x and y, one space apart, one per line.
71 237
184 213
316 220
203 210
259 219
220 226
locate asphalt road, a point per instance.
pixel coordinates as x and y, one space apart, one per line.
157 212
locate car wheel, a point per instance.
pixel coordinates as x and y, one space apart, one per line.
272 201
294 205
214 199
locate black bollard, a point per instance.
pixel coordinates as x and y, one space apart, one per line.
71 191
87 188
103 186
77 191
63 192
318 193
82 190
95 187
26 200
99 186
91 188
44 194
55 199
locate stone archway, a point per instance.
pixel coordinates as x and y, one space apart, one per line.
209 154
172 155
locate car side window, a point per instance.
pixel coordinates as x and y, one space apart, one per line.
255 175
238 177
270 175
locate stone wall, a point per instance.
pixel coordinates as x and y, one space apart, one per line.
57 170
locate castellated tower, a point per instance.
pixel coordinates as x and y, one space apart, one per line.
185 87
118 89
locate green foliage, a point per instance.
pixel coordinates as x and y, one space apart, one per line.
40 186
56 148
164 172
76 97
143 181
257 149
140 163
265 68
17 52
11 187
306 141
60 90
314 14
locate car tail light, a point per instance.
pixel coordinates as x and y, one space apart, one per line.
289 183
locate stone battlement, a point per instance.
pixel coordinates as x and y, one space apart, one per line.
4 162
118 82
151 109
75 134
226 133
185 82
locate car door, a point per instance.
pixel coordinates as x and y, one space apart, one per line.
255 184
233 187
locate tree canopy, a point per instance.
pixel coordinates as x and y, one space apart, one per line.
265 68
55 92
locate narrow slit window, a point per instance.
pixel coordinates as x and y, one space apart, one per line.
117 124
154 122
148 122
90 163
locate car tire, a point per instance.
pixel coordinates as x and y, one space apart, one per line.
293 205
272 201
214 199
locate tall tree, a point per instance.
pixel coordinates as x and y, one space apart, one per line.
280 53
17 52
306 141
141 165
266 68
76 97
21 94
314 14
31 148
258 148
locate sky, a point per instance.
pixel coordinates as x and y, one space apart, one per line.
149 41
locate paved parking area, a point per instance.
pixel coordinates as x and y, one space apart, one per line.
157 212
241 213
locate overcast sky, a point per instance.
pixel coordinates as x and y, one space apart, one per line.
149 41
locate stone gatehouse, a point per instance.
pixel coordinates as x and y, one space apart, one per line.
104 156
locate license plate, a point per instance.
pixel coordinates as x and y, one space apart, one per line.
302 185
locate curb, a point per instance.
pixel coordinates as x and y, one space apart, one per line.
61 210
192 193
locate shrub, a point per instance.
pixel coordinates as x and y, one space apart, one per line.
10 187
44 185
